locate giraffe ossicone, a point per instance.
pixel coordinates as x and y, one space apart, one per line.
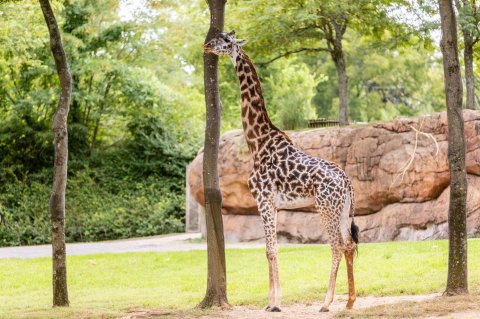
283 177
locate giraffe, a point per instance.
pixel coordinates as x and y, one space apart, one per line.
283 177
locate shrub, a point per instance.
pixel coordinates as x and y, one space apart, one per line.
134 189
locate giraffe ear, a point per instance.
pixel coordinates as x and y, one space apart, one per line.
240 42
231 33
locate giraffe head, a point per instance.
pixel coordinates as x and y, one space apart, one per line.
223 44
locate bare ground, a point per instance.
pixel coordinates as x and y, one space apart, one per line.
419 306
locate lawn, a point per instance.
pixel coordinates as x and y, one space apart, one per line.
105 285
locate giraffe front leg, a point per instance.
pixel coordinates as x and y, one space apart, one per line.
274 294
336 258
269 216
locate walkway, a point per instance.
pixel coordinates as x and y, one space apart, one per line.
176 242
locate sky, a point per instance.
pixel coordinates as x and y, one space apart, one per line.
127 8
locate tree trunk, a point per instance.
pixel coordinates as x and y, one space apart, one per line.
86 114
216 294
75 112
335 44
457 216
469 77
109 80
339 60
57 199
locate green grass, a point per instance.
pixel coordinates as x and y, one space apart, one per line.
105 285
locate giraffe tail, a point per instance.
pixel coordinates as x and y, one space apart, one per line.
349 234
354 230
345 217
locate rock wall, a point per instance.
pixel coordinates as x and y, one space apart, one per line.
390 205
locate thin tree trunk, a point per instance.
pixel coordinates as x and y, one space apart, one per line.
95 131
338 58
469 77
216 294
110 78
57 199
75 112
457 231
343 111
86 114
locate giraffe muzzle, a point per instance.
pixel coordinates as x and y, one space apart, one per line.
207 48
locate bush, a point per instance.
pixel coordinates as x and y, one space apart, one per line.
93 211
134 189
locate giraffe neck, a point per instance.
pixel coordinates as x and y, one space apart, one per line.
257 126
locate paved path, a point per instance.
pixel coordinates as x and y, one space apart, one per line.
177 242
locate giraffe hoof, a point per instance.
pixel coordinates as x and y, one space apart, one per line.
351 301
273 309
323 309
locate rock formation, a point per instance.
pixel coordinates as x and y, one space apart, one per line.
399 172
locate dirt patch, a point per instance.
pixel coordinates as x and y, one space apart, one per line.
464 307
138 313
419 306
472 314
311 310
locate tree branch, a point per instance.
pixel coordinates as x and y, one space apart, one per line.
287 53
109 80
15 85
9 96
305 28
344 25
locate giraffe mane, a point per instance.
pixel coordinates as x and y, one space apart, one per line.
254 72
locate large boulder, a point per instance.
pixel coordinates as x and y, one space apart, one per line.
399 172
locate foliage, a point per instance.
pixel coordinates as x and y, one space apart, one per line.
286 27
394 82
134 190
137 114
406 81
291 90
469 19
106 283
129 145
99 207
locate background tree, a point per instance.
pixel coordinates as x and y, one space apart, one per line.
59 126
469 22
291 90
391 82
318 26
457 282
216 294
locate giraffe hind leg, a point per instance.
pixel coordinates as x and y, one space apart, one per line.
351 282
